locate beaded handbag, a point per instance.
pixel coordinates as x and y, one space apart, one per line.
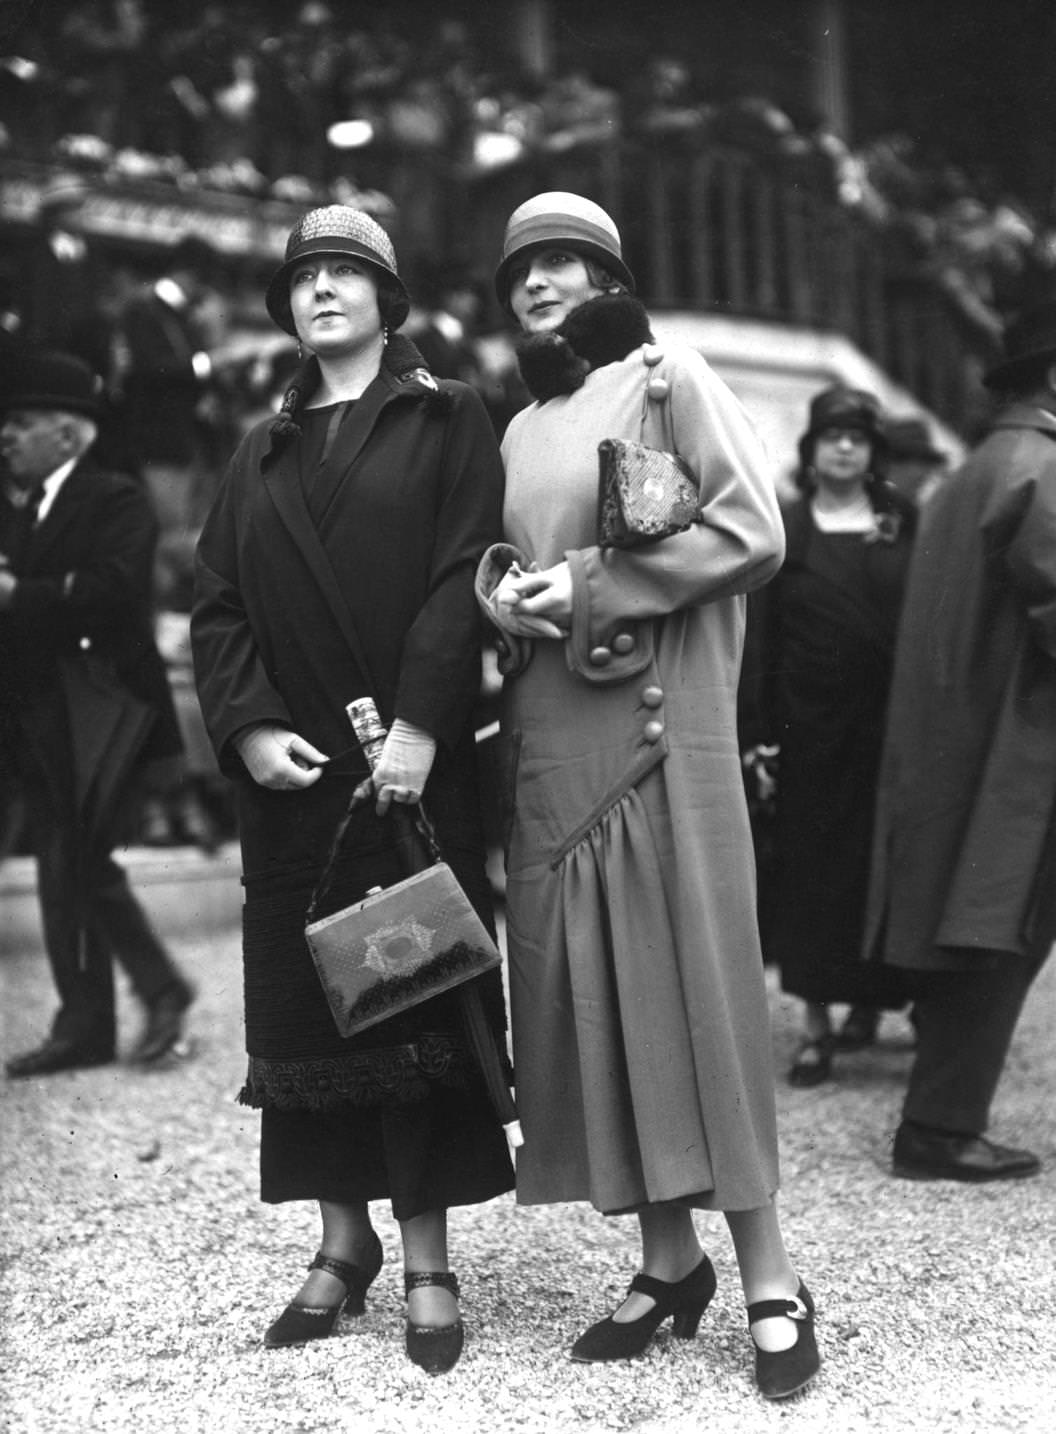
398 945
643 494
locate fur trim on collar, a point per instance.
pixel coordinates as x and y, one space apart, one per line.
400 359
601 331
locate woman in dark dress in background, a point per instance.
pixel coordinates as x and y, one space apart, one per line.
820 651
369 499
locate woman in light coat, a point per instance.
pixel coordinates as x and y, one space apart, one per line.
641 1033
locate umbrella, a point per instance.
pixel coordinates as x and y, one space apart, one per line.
108 729
414 836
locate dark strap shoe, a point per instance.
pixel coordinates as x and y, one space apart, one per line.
921 1153
784 1372
300 1323
436 1349
684 1301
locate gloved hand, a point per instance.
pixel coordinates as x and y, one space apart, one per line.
277 758
403 767
761 762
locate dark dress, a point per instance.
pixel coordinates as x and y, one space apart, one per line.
390 525
820 653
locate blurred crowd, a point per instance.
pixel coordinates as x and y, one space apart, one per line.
305 103
298 103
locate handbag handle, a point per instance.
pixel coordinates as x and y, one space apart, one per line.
415 839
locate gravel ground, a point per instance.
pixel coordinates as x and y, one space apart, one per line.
139 1269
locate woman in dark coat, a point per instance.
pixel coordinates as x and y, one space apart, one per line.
640 1020
365 505
820 652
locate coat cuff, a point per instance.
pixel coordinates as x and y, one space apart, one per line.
514 652
602 653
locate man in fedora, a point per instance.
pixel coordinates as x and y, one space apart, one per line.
84 705
963 886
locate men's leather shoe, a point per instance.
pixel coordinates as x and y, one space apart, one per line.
924 1154
164 1025
57 1055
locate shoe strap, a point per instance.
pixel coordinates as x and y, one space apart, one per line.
658 1290
801 1307
342 1270
418 1279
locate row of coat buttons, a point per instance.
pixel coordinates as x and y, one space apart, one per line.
652 697
657 388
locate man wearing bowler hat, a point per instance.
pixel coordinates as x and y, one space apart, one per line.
84 705
963 884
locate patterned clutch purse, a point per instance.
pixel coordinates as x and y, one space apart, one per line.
643 494
398 947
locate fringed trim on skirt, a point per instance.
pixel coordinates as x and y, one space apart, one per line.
387 1075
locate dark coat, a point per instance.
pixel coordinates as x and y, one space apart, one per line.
399 516
821 646
81 618
159 388
965 848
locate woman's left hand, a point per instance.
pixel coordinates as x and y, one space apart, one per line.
535 604
402 769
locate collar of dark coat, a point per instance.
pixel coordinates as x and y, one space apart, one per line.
601 331
1028 415
888 504
403 372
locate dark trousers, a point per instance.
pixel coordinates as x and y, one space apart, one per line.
89 913
965 1021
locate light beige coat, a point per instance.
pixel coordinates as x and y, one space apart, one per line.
640 1021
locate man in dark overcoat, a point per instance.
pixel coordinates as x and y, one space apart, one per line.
963 883
163 371
84 705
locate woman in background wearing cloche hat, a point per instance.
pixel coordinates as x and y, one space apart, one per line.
821 643
640 1020
370 497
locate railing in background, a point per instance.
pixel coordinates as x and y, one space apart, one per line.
728 232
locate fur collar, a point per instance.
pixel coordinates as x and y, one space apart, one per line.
400 362
601 331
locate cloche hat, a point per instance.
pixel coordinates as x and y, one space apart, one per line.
560 218
1028 338
843 407
336 229
53 380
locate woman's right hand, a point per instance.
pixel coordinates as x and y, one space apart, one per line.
505 601
279 759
